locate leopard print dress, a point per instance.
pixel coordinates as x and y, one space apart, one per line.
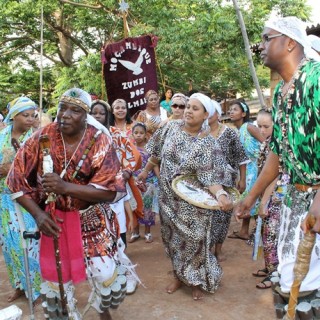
186 229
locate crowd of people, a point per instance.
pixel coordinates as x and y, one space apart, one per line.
93 176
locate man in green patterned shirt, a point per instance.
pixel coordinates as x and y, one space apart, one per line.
295 144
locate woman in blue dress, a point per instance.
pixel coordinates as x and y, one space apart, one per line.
19 128
251 139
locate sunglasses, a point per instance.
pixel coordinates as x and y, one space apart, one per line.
268 37
180 106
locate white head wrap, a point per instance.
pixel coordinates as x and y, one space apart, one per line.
217 107
295 29
77 97
315 42
206 102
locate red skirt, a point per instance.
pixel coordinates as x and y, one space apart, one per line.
71 250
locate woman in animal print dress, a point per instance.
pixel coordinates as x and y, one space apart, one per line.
186 147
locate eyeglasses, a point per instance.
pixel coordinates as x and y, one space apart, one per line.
267 37
180 106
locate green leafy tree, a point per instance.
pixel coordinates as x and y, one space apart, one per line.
199 41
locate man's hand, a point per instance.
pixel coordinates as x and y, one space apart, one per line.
242 210
312 220
47 225
52 182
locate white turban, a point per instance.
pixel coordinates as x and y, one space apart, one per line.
295 29
206 102
217 107
315 42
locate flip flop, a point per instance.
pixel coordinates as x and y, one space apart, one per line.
235 235
134 237
261 273
263 284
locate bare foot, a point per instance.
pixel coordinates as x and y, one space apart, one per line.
105 315
173 286
15 295
197 294
220 256
37 302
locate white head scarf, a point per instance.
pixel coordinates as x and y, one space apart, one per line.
315 42
206 102
217 107
295 29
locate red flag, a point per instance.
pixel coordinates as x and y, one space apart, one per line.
130 70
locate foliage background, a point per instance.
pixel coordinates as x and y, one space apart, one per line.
200 43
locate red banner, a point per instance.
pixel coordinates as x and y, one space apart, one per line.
130 70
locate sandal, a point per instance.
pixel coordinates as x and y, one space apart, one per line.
134 237
265 283
261 273
148 237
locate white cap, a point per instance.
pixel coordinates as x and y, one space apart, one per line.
315 42
295 29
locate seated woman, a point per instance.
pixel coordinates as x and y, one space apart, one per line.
186 147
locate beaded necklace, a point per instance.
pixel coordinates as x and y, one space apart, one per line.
216 136
283 119
83 157
85 154
66 164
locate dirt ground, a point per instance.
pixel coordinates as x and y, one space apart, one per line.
237 298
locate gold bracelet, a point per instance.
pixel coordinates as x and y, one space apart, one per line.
145 170
149 160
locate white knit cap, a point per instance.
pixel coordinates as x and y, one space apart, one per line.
315 42
295 29
206 102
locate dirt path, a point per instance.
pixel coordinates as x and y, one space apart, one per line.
237 298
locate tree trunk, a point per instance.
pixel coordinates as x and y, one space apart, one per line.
65 43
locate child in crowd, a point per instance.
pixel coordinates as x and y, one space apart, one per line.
270 206
150 196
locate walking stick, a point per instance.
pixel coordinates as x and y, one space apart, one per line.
301 266
51 201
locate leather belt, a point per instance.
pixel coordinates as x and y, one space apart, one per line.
306 188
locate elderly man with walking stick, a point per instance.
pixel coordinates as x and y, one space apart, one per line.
66 174
295 145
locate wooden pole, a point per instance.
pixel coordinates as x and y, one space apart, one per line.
41 67
248 52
